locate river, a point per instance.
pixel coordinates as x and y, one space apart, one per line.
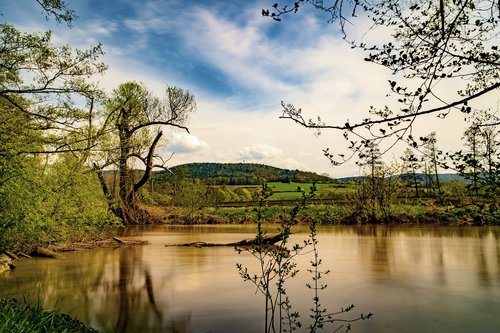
414 279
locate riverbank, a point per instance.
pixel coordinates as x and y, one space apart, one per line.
425 214
8 258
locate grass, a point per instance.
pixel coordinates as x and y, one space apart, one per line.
22 318
288 191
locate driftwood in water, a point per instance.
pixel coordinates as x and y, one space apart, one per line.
10 255
118 240
106 243
44 252
24 255
267 239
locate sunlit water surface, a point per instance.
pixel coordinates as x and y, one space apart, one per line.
412 279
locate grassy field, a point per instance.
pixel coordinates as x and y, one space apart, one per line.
289 191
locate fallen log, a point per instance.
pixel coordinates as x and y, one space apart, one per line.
118 240
46 253
21 254
10 255
267 239
106 243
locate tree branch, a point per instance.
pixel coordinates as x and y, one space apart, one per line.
149 164
290 112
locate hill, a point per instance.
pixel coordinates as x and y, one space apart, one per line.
239 174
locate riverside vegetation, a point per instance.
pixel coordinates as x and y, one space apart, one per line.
391 194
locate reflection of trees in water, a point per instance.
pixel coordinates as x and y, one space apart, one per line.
421 231
112 290
137 308
433 252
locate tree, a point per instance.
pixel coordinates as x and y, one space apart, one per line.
480 161
433 44
412 164
135 119
432 154
192 195
372 191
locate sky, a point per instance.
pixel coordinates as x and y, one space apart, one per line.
240 66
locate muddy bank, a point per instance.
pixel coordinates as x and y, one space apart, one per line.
8 259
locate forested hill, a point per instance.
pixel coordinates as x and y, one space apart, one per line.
239 174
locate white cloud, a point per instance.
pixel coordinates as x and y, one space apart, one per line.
292 164
185 143
260 151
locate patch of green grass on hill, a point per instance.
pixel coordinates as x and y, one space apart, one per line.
288 191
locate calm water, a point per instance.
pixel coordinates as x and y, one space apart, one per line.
412 279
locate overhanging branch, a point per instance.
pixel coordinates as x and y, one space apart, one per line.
289 112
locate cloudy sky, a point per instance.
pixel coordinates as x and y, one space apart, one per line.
240 66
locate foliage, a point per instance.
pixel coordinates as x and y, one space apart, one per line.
21 318
192 195
240 174
479 161
51 78
42 203
47 191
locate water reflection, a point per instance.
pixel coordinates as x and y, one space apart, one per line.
113 290
447 277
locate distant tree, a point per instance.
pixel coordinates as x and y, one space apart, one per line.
432 44
243 194
135 118
432 154
479 162
193 195
412 164
374 179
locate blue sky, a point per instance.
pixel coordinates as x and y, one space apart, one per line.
239 65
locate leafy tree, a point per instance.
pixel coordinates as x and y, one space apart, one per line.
47 193
433 44
243 194
135 118
371 193
432 154
412 164
479 162
192 195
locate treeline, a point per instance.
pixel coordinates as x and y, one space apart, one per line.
238 174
